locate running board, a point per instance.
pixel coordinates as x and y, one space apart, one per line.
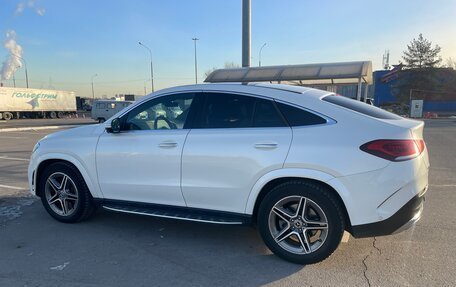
176 212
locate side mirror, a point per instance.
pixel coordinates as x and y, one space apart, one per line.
115 126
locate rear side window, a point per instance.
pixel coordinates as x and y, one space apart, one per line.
361 107
267 115
299 117
222 110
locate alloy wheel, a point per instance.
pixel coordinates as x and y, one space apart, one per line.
298 224
61 194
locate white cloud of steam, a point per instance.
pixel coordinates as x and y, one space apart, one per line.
21 6
12 62
40 11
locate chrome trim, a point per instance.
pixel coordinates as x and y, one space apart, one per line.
168 216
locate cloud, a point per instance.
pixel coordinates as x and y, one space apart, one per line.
30 4
40 11
20 8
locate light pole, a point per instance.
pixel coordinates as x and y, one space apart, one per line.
259 55
93 92
196 63
151 65
25 66
14 79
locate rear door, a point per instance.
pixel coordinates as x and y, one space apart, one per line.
235 140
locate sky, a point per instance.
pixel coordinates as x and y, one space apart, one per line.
65 43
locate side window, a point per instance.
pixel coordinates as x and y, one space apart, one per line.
299 117
101 106
223 110
267 115
167 112
227 111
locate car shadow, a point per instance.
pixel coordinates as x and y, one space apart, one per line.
137 249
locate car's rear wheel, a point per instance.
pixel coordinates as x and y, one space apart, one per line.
301 222
64 193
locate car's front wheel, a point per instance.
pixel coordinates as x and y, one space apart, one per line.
64 193
301 222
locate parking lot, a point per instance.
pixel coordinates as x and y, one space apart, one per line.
115 249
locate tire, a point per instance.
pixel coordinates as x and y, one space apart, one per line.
60 115
321 220
7 116
101 120
53 115
79 203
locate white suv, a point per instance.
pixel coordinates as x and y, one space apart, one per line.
301 164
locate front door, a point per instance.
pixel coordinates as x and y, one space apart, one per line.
142 163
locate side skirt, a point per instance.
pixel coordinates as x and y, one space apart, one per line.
175 212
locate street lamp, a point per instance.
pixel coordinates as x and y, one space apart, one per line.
25 66
259 55
196 65
151 65
14 77
93 93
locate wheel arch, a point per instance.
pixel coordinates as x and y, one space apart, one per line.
264 186
50 159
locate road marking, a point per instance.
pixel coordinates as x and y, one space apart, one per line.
443 185
10 137
14 158
35 128
13 187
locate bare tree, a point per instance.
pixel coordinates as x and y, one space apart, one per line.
231 64
450 63
227 65
208 72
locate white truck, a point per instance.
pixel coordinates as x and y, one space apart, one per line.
18 103
104 109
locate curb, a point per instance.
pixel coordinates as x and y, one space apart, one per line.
35 128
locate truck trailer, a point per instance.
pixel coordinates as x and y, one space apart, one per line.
16 103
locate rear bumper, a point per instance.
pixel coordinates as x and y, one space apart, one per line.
403 219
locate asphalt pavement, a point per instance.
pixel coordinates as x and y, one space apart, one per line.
115 249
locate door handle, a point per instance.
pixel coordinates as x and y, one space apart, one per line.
168 144
266 145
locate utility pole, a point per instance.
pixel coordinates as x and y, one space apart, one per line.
93 92
151 66
196 63
246 28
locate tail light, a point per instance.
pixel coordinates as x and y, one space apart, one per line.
394 150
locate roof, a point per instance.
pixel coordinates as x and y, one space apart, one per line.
308 74
239 87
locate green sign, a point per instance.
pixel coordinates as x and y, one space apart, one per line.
35 96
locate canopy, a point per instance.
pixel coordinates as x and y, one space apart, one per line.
308 74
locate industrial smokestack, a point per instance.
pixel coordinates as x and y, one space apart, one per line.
246 27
